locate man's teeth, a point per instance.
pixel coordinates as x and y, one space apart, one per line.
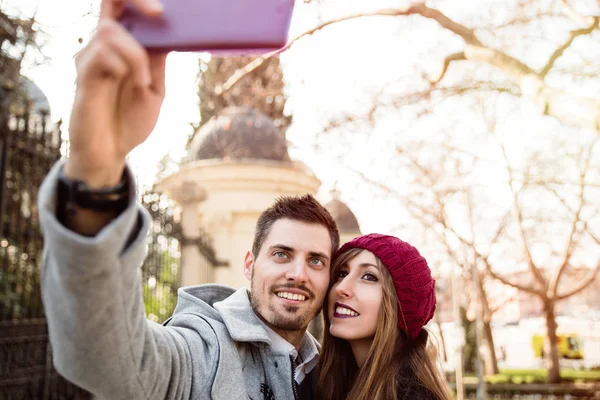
291 296
345 311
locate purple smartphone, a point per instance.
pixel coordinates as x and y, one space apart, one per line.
217 26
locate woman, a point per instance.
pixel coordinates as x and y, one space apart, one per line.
374 346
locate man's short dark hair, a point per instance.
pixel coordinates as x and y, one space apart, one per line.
297 208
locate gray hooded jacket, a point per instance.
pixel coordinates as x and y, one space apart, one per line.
213 347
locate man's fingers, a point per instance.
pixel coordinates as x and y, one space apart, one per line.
158 63
99 61
148 7
116 37
113 8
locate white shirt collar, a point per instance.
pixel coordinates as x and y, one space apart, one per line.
309 355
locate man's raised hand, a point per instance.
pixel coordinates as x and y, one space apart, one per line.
120 90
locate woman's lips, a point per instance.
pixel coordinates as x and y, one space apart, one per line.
343 311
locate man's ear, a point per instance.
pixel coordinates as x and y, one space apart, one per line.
248 264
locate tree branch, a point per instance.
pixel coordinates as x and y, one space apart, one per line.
559 52
504 302
419 8
508 282
582 285
529 180
258 61
449 59
519 215
574 15
522 20
570 247
501 227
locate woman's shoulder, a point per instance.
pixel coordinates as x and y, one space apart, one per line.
409 388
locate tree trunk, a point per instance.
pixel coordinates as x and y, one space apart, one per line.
552 342
491 360
442 340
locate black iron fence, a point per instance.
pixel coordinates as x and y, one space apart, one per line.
26 371
29 146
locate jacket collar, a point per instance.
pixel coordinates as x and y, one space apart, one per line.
241 321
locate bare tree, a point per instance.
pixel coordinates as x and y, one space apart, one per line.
491 45
460 254
554 224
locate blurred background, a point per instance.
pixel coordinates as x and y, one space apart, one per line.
469 129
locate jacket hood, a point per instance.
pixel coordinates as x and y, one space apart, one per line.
226 305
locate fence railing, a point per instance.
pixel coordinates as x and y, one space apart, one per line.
29 146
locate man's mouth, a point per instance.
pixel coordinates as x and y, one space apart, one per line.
298 297
344 311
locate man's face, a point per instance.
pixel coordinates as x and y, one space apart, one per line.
290 275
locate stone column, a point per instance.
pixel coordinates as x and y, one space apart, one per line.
195 269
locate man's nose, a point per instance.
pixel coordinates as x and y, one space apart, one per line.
297 271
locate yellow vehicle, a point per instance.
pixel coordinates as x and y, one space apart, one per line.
569 346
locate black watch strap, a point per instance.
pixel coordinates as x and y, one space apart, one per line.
74 193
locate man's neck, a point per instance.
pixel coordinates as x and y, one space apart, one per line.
293 337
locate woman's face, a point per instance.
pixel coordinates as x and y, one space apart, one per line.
355 298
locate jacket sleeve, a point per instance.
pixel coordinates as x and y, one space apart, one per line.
92 294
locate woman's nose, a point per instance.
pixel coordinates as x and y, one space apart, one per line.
344 288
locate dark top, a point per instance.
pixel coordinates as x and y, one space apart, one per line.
307 390
409 388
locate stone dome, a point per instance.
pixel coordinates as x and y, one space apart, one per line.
239 133
343 216
29 99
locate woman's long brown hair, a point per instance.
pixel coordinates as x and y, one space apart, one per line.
391 353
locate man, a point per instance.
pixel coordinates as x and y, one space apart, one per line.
220 343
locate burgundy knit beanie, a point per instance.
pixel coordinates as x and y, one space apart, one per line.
414 284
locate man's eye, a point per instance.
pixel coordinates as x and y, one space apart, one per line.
280 254
317 261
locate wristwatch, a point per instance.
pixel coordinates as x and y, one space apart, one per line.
75 193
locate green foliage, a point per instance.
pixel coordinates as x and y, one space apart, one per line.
20 295
520 376
160 290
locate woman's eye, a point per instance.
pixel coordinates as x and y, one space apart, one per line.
341 275
370 277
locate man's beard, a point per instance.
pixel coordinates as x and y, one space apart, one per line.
293 322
